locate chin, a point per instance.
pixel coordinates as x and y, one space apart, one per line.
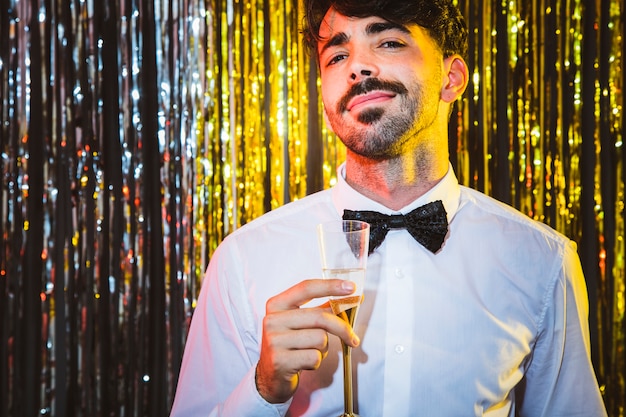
370 116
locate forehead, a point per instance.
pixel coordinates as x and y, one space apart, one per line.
337 29
335 22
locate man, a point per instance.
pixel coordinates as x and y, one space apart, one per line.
491 323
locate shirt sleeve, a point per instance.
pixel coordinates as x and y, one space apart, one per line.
560 380
217 376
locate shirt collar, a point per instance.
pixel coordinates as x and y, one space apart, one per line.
447 190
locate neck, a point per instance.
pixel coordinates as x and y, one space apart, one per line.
396 182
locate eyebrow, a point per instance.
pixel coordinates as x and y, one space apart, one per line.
379 27
342 38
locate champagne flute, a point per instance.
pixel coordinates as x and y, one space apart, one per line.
344 249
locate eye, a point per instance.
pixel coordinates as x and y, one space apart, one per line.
392 45
335 59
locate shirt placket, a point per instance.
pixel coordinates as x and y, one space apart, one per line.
400 316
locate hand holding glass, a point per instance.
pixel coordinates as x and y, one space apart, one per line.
344 249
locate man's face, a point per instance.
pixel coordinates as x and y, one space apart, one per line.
381 83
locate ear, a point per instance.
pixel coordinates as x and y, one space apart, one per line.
456 78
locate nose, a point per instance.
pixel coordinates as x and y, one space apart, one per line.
364 73
363 65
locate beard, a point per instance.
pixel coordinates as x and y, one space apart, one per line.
381 132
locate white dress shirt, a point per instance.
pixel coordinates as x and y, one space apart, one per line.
494 324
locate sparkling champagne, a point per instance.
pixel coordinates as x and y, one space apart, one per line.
346 307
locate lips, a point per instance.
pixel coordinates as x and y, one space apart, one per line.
370 90
373 97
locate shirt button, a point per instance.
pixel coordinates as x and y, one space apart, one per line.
399 349
398 273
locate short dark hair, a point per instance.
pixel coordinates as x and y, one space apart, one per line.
440 18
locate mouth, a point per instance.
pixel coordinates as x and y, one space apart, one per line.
369 98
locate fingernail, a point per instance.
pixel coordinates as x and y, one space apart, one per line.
348 285
355 340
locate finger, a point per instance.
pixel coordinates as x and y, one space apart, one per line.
305 291
304 339
289 353
307 357
292 362
308 319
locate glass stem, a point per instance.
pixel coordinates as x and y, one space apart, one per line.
347 379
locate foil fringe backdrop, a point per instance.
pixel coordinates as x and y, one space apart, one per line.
136 135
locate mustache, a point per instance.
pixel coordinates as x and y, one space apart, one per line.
370 84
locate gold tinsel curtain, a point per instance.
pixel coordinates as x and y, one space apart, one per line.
136 134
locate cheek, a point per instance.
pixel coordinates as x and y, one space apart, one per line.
330 94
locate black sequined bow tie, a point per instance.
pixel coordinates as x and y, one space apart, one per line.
428 224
